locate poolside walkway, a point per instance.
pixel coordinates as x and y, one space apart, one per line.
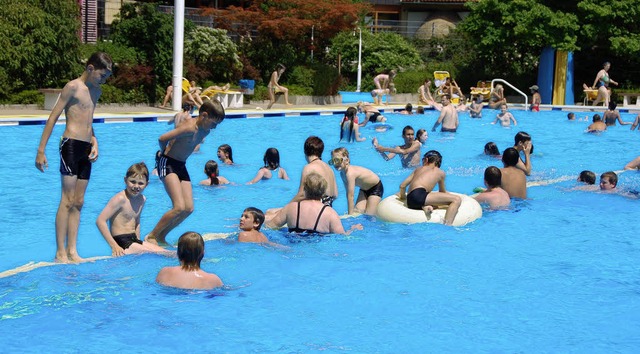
34 115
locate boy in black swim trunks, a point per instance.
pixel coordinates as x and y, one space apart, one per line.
122 213
421 183
78 149
371 189
171 166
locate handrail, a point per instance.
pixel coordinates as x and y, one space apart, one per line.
526 98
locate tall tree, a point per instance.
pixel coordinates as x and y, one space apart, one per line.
40 44
281 29
511 34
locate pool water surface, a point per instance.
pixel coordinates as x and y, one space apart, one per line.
554 273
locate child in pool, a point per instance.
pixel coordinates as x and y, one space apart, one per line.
494 195
587 177
371 189
349 128
250 224
211 170
225 154
505 117
271 167
188 274
122 213
421 183
491 149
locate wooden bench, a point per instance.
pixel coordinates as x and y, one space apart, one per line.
626 98
51 96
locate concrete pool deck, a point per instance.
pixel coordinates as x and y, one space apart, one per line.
34 115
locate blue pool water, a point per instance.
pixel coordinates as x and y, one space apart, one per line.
556 273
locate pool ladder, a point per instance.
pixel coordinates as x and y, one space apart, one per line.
526 98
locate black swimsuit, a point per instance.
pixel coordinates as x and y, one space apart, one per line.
306 231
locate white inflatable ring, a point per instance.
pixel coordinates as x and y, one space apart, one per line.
391 209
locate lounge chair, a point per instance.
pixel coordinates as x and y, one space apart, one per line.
482 88
439 78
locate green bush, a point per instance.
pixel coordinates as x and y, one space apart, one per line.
301 76
326 80
25 97
112 94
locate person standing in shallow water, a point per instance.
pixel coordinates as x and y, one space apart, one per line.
78 149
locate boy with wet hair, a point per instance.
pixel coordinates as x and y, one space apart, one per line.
608 181
175 147
409 152
119 221
78 149
250 223
188 274
587 177
371 189
494 195
514 180
522 143
421 183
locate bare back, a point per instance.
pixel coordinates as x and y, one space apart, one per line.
196 279
323 169
185 138
449 117
427 177
514 182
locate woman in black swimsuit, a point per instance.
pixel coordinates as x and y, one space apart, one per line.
311 216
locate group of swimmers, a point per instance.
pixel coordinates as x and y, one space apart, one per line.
310 210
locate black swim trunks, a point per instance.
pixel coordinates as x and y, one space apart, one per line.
125 241
167 165
417 198
74 158
377 190
447 130
373 118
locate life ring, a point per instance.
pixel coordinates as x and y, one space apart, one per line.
392 209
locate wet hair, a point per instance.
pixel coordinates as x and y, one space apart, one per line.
341 151
315 186
211 170
510 157
190 250
419 132
447 96
491 149
522 137
493 176
612 105
420 110
596 118
571 116
433 156
408 127
226 148
271 158
100 60
351 114
186 107
138 169
214 109
408 107
587 177
258 216
611 176
313 146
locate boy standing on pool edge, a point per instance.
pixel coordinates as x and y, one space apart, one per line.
78 149
171 165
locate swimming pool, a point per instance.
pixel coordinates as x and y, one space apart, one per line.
556 273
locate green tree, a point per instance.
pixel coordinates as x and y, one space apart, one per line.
212 49
380 52
40 44
511 34
143 27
